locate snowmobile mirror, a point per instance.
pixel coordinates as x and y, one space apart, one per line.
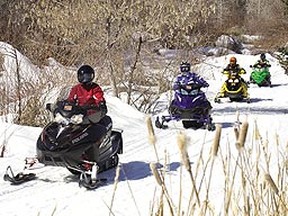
48 107
67 108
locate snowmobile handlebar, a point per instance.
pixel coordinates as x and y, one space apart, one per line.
260 66
66 108
72 108
191 86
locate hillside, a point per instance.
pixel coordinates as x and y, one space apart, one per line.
56 191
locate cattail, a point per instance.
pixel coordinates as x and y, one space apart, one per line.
272 184
2 150
156 173
236 127
242 135
182 144
151 134
256 132
277 139
237 115
116 179
236 131
216 142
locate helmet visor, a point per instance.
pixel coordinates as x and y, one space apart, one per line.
184 69
85 77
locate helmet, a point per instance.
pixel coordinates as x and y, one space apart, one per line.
233 60
85 74
185 67
262 56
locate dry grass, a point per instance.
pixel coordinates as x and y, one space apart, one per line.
250 188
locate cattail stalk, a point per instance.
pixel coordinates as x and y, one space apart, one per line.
242 136
272 184
182 144
116 180
236 132
3 149
160 180
215 148
131 192
151 136
216 141
151 133
236 127
156 174
256 132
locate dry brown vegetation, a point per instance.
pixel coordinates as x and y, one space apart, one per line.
122 39
252 185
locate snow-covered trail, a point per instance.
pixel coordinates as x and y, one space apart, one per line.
56 192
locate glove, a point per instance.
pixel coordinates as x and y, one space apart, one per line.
77 119
206 85
91 106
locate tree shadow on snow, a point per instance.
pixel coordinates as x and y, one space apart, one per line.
226 124
135 170
276 85
255 100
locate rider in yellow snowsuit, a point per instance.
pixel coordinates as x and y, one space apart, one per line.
233 66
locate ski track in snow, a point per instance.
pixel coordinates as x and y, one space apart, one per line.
57 190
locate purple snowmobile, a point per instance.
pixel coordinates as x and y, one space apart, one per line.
190 106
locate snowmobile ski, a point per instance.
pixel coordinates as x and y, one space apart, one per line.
32 163
19 178
89 183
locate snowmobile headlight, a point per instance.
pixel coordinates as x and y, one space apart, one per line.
183 92
77 119
194 92
236 80
230 80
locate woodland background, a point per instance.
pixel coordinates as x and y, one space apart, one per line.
125 41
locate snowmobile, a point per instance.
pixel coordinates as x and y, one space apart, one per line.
190 106
67 143
234 89
260 76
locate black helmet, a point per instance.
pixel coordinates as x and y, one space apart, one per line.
85 74
262 56
185 67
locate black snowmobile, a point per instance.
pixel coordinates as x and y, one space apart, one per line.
84 149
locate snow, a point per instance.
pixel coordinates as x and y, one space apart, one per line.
57 193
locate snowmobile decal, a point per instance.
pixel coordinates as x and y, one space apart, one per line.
77 139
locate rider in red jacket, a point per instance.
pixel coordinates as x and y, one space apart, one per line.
89 95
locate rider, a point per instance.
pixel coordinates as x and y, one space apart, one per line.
233 67
89 95
185 78
262 62
186 75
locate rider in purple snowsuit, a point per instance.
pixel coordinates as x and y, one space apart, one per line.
187 76
182 83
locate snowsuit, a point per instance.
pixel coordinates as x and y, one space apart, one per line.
183 79
240 71
261 63
91 97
